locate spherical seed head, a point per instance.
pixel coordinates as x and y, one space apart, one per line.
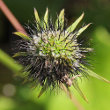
51 53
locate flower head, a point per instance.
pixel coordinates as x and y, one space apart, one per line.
51 53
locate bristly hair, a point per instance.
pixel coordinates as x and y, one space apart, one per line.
51 54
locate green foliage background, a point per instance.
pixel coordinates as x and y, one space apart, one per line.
97 92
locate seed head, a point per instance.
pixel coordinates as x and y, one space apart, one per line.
51 53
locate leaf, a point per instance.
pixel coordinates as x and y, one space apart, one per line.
60 20
93 74
25 37
9 62
76 86
82 29
20 54
46 19
74 25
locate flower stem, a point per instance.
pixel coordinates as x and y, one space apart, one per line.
11 17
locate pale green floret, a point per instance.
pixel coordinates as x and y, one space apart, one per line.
52 45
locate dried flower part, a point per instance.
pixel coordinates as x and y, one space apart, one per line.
52 55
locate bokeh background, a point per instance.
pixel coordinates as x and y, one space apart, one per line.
17 96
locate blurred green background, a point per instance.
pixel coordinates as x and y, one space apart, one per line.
17 96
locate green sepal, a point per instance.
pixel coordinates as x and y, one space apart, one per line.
76 86
81 30
37 18
36 15
93 74
20 54
42 91
46 19
74 25
24 36
60 19
73 99
86 49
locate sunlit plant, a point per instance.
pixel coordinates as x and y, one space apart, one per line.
51 54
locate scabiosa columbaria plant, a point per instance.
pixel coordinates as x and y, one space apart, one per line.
52 55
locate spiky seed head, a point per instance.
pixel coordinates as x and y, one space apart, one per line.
51 53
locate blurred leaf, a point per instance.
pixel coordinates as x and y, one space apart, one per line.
7 103
9 62
102 35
